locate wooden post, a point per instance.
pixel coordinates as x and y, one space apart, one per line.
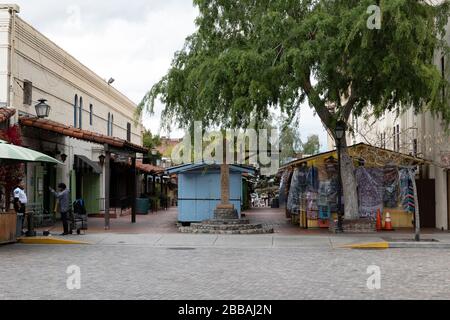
225 181
134 191
107 185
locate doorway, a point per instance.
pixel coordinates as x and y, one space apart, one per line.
426 192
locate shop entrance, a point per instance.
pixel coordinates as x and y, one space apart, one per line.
426 192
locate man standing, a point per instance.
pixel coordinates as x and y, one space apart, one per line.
63 197
20 202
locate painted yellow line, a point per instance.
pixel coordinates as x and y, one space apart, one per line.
49 240
369 245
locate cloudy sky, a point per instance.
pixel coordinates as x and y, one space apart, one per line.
132 41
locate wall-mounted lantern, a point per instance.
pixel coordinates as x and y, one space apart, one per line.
42 109
101 159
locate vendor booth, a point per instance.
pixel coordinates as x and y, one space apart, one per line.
199 190
385 184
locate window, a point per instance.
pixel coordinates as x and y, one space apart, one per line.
75 111
27 92
398 138
415 147
129 132
91 114
112 125
81 113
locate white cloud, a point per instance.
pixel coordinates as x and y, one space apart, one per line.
131 41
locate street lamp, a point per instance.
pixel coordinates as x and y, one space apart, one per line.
339 134
42 109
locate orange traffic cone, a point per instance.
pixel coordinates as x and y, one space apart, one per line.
379 221
388 223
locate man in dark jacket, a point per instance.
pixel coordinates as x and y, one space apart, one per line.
63 197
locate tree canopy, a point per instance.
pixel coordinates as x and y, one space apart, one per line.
248 57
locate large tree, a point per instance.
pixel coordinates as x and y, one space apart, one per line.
249 56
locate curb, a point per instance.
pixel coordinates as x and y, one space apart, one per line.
49 241
397 245
369 245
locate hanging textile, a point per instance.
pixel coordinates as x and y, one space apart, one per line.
370 191
293 203
284 188
391 187
313 179
312 208
407 191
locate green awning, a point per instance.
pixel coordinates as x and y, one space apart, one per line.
11 152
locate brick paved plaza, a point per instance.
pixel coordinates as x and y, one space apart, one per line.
168 265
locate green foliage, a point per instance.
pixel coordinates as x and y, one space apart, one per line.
151 141
312 145
250 56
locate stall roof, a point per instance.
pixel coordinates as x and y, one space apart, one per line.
6 114
80 134
372 155
199 166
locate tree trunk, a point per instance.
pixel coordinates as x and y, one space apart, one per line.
349 185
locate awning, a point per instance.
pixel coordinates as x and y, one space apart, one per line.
81 134
6 114
84 164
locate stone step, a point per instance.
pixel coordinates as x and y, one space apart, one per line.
226 232
231 227
227 222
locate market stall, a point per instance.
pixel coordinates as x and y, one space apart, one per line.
385 184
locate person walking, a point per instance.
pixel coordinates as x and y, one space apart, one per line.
20 202
63 196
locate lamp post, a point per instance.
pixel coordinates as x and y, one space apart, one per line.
339 134
42 109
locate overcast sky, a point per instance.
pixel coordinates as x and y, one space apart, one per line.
132 41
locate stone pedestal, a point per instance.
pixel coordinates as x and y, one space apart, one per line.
222 213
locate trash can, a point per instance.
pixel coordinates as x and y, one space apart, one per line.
142 206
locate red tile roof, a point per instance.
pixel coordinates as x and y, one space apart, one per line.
148 168
80 134
6 114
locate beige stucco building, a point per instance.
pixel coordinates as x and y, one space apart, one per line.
32 67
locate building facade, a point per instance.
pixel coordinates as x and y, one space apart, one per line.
87 114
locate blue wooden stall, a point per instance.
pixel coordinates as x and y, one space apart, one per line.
199 190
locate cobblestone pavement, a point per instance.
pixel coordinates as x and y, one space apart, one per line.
150 260
221 267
